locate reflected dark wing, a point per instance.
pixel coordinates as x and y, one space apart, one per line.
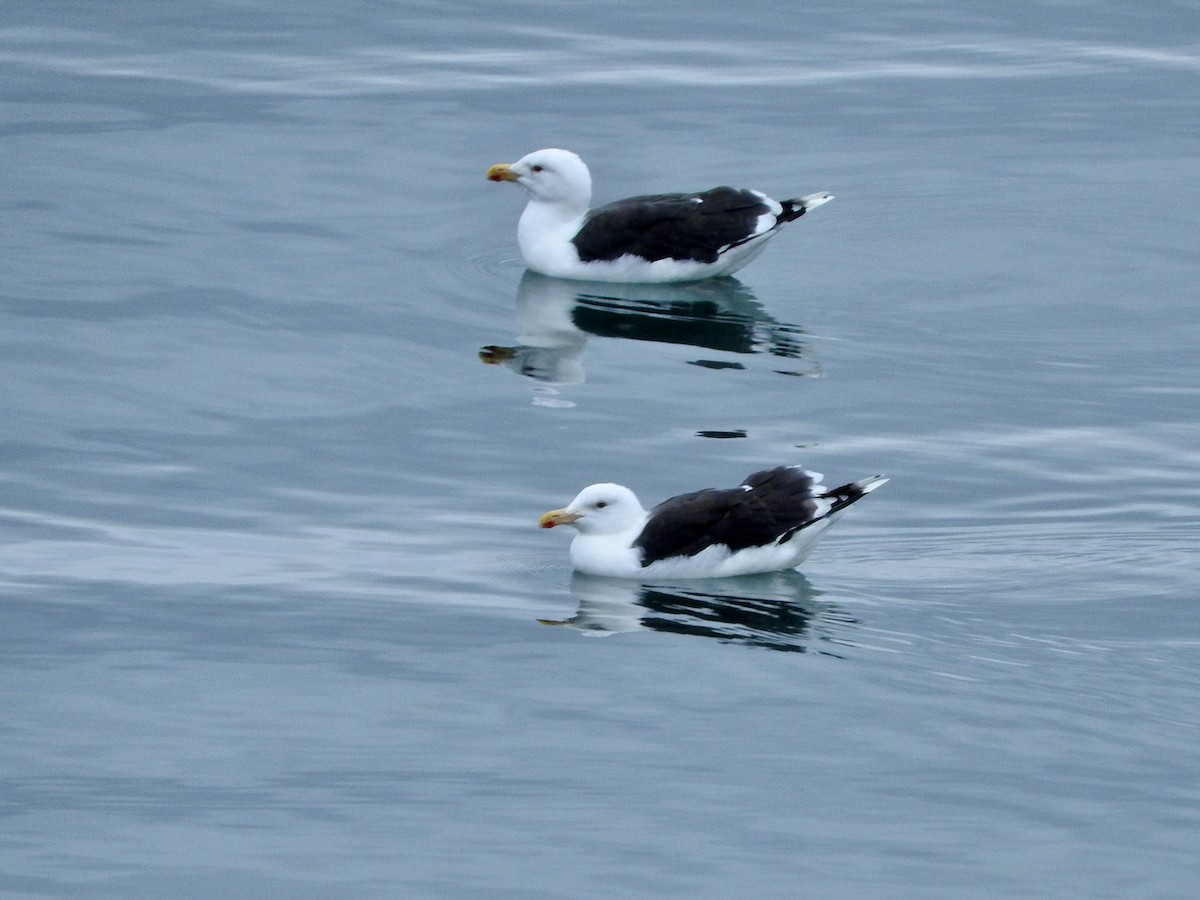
671 226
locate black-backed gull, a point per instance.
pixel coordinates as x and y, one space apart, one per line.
656 238
769 523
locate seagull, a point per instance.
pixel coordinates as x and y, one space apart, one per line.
655 238
768 523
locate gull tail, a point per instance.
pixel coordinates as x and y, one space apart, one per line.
794 209
846 494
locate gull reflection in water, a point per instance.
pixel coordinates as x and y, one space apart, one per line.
777 611
557 316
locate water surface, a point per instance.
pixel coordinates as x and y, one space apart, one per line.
281 410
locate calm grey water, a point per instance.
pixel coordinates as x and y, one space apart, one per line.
275 620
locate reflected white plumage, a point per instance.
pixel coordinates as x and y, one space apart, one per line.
654 238
768 523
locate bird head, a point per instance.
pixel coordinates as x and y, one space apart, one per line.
551 176
598 509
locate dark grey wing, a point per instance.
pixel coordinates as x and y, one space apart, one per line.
797 497
789 497
671 226
685 525
778 503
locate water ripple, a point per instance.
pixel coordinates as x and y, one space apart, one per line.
557 57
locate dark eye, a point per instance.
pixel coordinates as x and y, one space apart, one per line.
536 168
600 504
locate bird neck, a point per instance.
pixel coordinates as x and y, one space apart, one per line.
552 212
547 224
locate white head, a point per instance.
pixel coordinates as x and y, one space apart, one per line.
551 176
599 509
